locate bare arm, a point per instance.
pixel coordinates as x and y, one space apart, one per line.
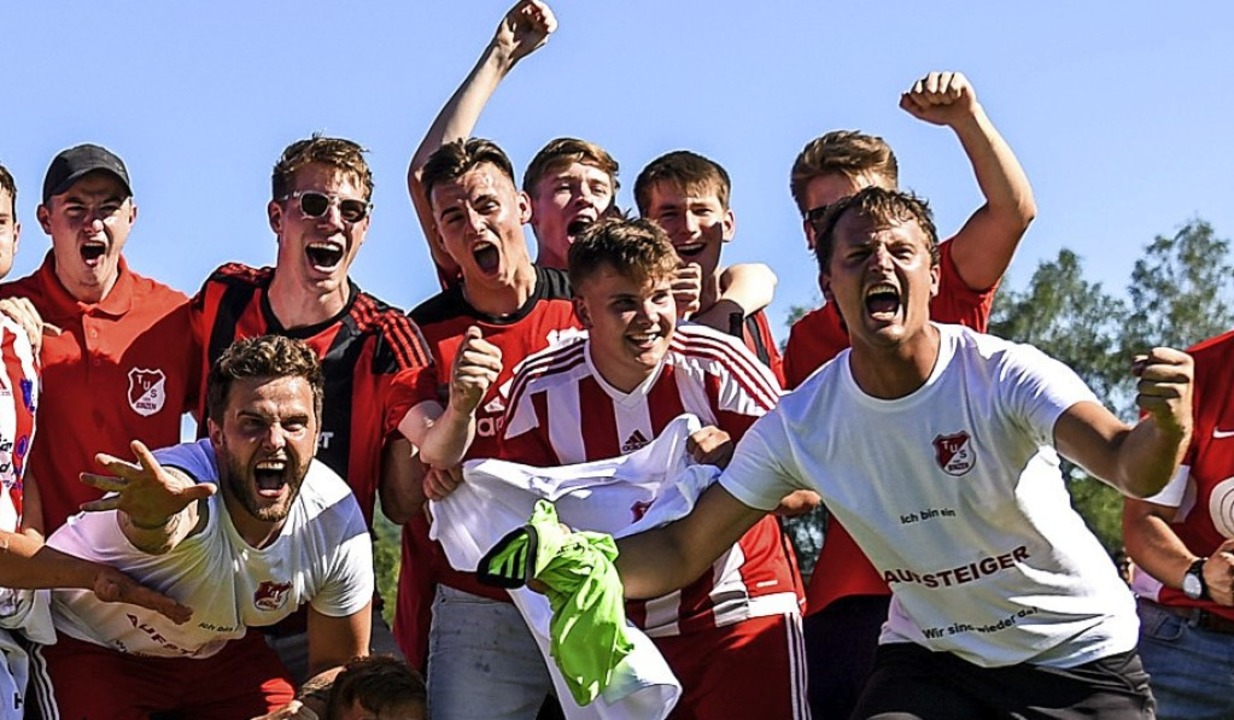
402 478
1138 461
158 507
444 437
983 248
670 557
332 641
1157 550
524 29
745 289
32 505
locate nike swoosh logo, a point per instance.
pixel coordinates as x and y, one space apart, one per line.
1222 434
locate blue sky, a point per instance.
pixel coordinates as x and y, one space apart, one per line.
1120 111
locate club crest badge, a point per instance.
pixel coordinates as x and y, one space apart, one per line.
147 391
271 595
639 509
954 453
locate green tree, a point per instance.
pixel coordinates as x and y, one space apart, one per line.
1077 322
1178 295
1179 291
1068 318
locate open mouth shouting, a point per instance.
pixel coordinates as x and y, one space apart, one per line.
690 249
487 257
882 301
578 225
270 477
324 255
92 252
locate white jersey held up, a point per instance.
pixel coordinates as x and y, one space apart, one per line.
322 556
562 412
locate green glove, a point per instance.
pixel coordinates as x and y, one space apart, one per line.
588 632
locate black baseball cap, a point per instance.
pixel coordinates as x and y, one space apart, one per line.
70 165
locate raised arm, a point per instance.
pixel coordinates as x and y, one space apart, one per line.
659 561
524 29
444 440
1139 460
158 507
745 288
983 248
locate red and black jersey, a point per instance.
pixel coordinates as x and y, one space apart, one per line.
372 355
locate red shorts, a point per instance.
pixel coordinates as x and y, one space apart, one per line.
245 679
754 669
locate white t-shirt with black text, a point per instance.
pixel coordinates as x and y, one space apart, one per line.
954 493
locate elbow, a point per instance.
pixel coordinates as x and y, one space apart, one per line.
1027 211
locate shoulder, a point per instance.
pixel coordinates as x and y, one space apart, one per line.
1213 350
149 289
399 342
553 363
704 344
28 286
241 274
326 495
554 366
553 284
195 459
445 305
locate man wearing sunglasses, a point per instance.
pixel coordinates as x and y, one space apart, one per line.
847 600
319 210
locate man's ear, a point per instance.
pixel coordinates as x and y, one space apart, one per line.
274 213
824 284
44 218
582 312
214 431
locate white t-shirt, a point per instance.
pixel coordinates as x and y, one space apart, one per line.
323 556
954 493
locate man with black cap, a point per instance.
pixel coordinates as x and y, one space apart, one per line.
124 366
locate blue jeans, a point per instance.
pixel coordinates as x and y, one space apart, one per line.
483 663
1192 669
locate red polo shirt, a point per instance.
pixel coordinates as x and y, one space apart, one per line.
124 368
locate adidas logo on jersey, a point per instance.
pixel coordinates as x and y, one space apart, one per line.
634 442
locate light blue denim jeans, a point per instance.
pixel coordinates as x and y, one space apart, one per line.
483 663
1191 669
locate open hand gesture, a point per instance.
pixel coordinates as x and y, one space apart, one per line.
145 492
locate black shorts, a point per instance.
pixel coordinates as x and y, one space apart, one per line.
912 683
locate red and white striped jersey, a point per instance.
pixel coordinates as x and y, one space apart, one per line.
19 388
562 412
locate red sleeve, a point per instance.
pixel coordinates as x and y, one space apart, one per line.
957 303
815 338
408 388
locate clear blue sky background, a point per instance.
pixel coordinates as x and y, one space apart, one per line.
1120 111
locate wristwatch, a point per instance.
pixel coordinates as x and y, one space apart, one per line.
1194 586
